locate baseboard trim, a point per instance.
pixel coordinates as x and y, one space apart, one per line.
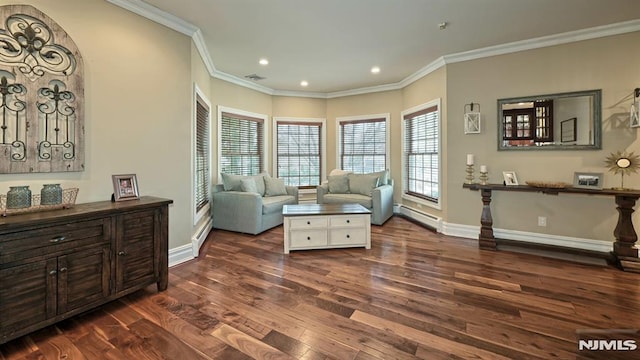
428 220
188 252
180 254
472 232
200 236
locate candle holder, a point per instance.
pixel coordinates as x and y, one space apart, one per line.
484 177
470 177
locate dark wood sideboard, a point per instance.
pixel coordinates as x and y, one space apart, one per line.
624 249
59 263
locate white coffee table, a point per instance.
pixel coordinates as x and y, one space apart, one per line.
326 226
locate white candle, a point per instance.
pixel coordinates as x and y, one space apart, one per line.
483 168
470 159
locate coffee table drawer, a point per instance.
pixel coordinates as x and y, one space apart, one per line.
347 221
308 238
310 222
347 236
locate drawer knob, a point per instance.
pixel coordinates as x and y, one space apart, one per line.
348 221
308 222
122 253
308 237
348 236
57 239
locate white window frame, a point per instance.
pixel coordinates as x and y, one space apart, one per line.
340 120
323 144
206 210
418 200
265 122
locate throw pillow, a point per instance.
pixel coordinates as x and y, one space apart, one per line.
362 183
274 187
339 172
383 177
249 185
339 184
231 182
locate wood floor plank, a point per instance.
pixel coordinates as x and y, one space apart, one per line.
414 295
248 344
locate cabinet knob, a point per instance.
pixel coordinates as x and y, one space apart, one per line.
308 222
348 221
308 237
348 236
64 269
122 253
57 239
53 272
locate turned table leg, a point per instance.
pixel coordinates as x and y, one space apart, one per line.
486 239
624 232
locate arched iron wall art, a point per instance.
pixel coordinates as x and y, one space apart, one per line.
41 94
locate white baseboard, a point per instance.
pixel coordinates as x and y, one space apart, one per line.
180 254
472 232
200 236
190 251
423 218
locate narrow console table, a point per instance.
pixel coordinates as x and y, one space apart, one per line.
623 248
59 263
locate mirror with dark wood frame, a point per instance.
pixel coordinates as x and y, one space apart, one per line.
564 121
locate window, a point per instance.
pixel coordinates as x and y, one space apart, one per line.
202 163
299 151
241 143
363 143
421 147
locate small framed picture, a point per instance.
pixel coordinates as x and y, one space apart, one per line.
586 180
510 178
472 123
568 130
125 187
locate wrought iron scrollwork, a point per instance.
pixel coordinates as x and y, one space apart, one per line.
56 120
13 116
29 44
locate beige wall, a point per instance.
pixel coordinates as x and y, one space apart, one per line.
137 98
594 64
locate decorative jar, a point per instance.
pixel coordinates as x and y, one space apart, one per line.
18 197
51 194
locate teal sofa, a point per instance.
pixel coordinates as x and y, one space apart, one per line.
374 191
240 206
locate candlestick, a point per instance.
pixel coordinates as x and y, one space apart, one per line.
483 168
470 159
484 176
469 178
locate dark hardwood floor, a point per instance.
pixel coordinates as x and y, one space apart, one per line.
414 295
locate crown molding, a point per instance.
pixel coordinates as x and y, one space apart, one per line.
241 82
545 41
152 13
203 50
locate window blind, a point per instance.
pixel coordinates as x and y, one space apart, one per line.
363 145
202 165
241 144
299 153
421 139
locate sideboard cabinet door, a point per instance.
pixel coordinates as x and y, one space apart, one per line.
83 278
137 249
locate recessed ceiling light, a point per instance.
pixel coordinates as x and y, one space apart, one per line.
264 62
375 69
304 83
